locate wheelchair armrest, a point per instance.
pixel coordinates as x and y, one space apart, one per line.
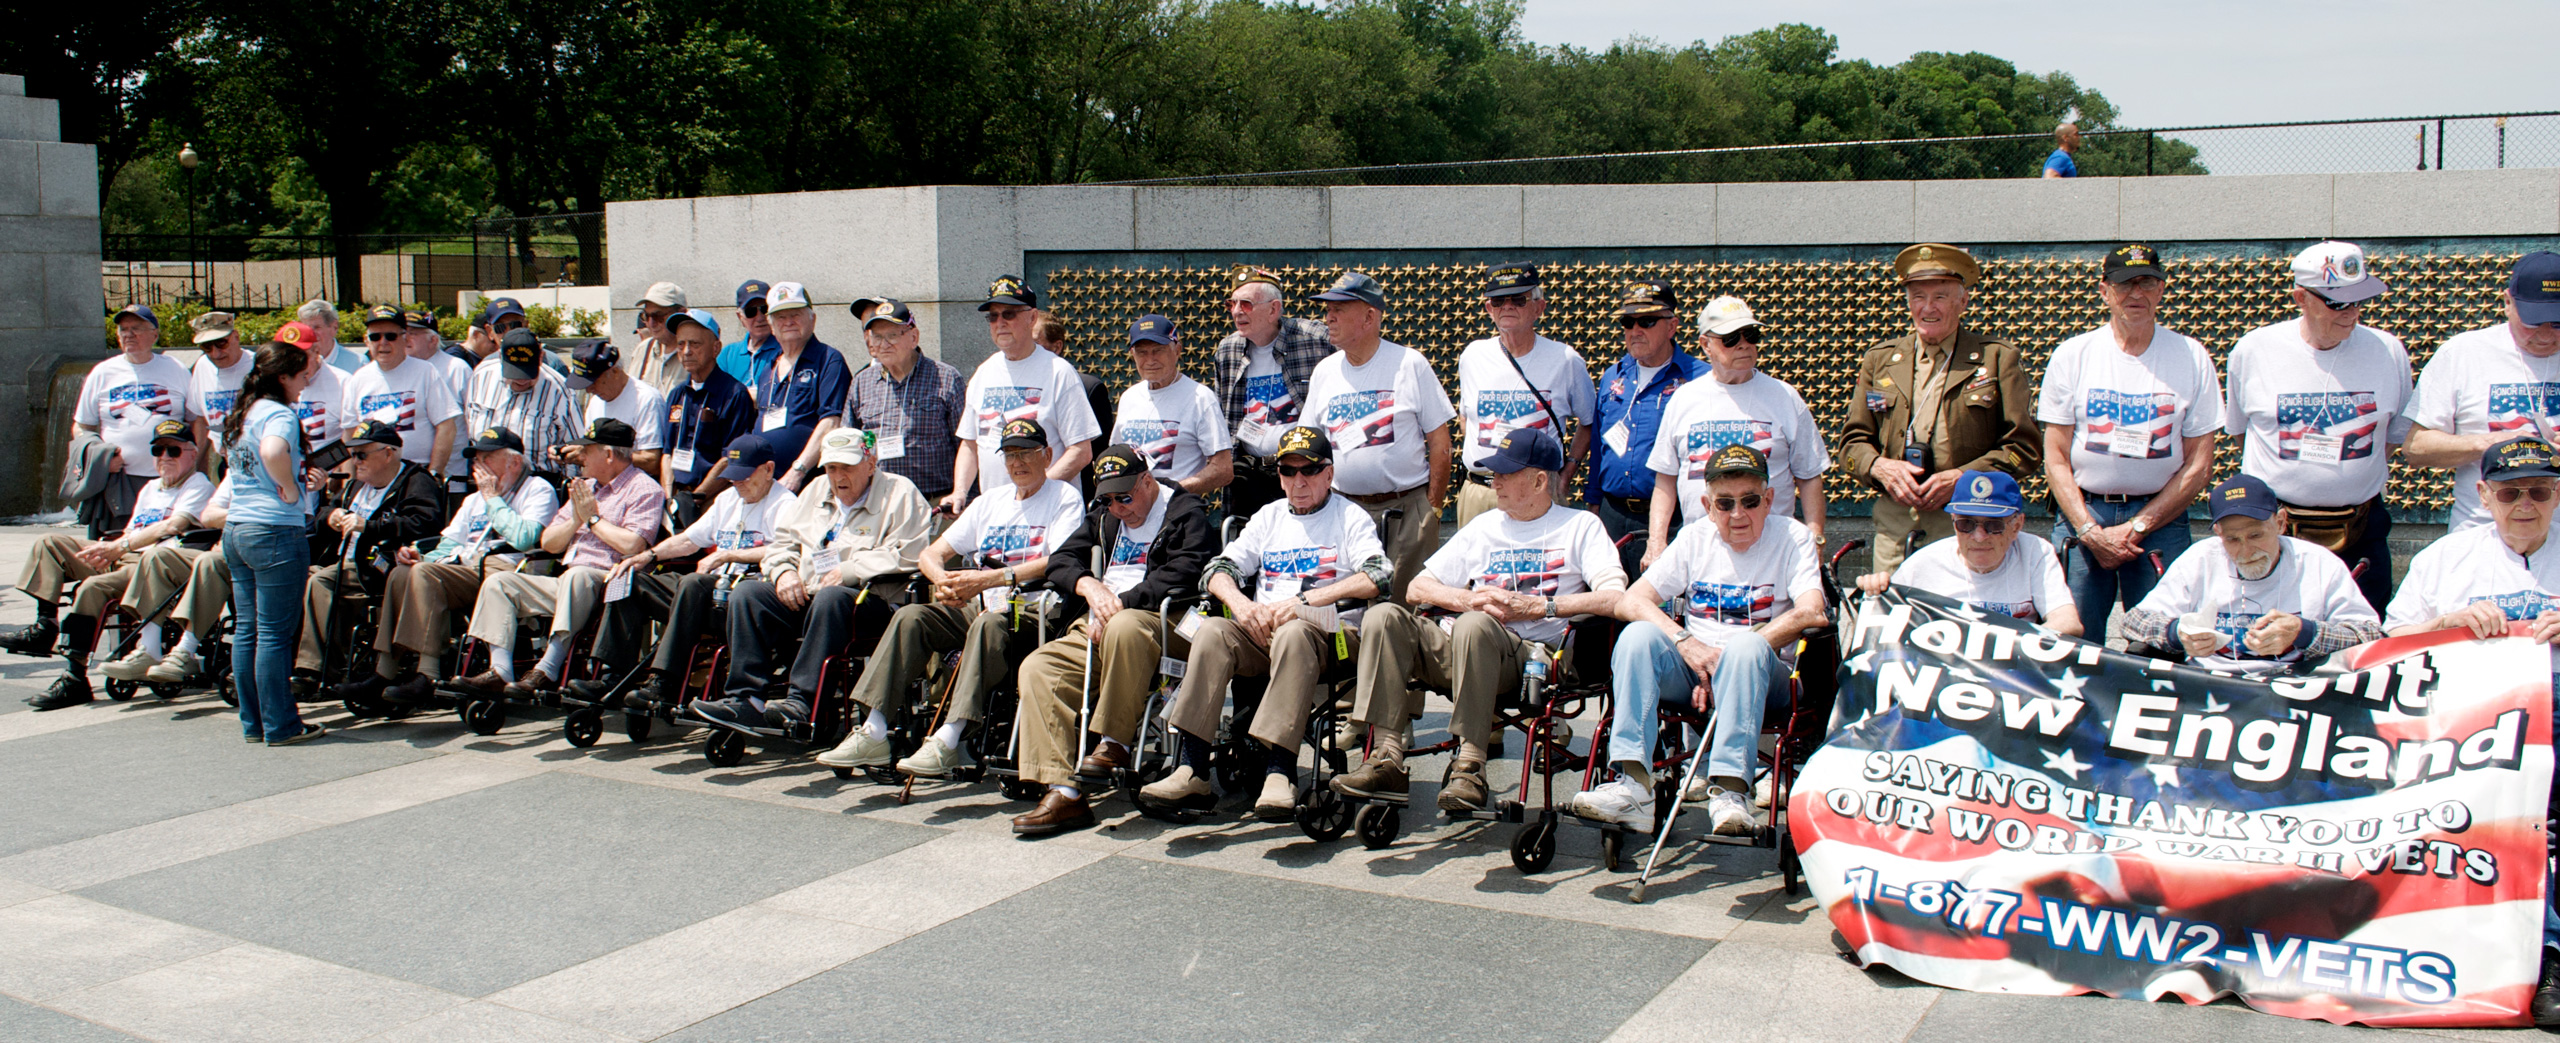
199 539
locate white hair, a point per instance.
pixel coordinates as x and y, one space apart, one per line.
316 310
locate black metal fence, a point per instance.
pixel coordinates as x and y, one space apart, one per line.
2474 142
265 272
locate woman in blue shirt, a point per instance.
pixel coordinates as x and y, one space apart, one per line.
267 544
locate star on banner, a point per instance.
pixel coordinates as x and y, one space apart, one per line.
2213 705
1863 662
2164 775
2066 764
2069 684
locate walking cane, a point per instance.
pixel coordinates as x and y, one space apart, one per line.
908 790
1662 832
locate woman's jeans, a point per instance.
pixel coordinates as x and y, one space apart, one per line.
269 565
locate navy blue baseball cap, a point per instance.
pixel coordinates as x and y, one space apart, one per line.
1986 494
495 308
745 453
1353 286
752 290
589 361
2524 457
140 311
1526 447
2535 286
2243 495
1153 329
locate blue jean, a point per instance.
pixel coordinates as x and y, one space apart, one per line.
269 565
2095 589
1751 683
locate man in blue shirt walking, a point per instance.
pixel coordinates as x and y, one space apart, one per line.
1632 394
2066 140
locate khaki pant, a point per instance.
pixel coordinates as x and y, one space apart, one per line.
1894 521
1473 499
208 593
1052 686
55 561
163 572
319 605
568 598
416 601
1412 539
918 633
1476 661
1296 659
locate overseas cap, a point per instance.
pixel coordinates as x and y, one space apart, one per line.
1936 261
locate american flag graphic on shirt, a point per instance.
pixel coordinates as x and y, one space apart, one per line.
2351 415
2154 412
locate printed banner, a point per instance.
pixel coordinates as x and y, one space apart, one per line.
2007 810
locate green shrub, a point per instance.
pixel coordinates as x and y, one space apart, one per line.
588 321
543 320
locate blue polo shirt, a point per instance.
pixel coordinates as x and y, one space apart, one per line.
814 392
1626 475
742 360
2060 162
704 417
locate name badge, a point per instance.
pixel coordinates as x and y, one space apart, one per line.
1615 438
683 459
822 567
2322 449
774 417
891 447
618 589
2129 441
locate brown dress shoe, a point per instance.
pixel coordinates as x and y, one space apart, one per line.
486 682
1057 813
1375 780
1106 758
531 684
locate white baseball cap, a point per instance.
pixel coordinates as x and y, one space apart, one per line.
666 293
785 296
844 445
1724 315
2335 270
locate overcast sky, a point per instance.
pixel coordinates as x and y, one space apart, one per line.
2166 62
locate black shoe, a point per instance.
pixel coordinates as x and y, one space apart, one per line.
31 639
362 688
307 688
734 714
70 689
413 690
785 713
2546 996
592 693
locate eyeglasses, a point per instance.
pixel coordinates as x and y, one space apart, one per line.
1749 502
1120 499
2334 305
1004 314
1983 525
1515 300
505 327
175 451
2539 493
752 309
1745 335
379 335
1629 322
1291 471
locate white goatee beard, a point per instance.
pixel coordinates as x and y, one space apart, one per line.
2256 568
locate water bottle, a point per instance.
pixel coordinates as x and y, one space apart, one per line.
1533 680
720 588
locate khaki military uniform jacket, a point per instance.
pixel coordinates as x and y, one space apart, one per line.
1986 408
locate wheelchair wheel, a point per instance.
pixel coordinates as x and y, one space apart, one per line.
1790 867
121 691
1533 849
637 726
228 689
583 727
1227 762
163 690
1021 789
484 716
724 748
1324 816
1612 848
1378 824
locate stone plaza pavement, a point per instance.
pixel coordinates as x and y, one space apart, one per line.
162 880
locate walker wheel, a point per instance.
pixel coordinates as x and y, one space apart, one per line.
583 727
724 748
1533 848
228 689
637 726
1790 866
484 716
1324 816
1378 824
122 690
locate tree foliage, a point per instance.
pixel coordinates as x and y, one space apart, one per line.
348 117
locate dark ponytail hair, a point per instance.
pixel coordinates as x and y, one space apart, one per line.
275 362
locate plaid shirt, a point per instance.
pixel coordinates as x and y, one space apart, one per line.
543 415
922 410
1300 346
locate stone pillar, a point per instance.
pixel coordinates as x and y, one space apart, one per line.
52 300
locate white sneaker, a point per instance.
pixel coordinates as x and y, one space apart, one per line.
1729 814
933 760
1620 801
175 667
1698 789
1760 791
131 667
858 750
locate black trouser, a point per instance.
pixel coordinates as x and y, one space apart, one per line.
2375 551
837 620
622 626
1255 484
688 602
1618 524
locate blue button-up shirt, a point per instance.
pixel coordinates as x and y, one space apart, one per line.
1626 475
704 418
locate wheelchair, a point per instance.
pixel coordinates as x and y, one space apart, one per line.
347 647
831 708
128 628
583 724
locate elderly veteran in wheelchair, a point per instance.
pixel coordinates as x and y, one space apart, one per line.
1158 539
1992 564
1747 586
1512 578
2252 599
387 503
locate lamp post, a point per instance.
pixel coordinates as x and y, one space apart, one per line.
187 158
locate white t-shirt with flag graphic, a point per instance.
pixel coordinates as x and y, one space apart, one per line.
1718 590
1175 428
413 398
322 407
1014 530
1129 546
1288 553
2130 415
2307 581
2473 564
2318 426
125 401
2027 584
156 500
1763 412
1561 552
1377 416
734 524
1495 401
1042 387
1269 407
2479 382
211 390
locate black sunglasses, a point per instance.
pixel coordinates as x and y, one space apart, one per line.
171 451
506 326
1513 300
1745 335
1749 502
2334 305
1120 499
752 309
379 335
1293 471
1628 322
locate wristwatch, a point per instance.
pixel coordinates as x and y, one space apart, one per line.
2140 528
1551 608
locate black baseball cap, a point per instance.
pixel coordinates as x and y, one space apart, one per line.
607 431
891 311
1009 289
386 313
590 361
2526 457
1648 297
520 355
173 431
1738 459
2132 261
419 320
1353 286
374 431
1024 433
1117 470
1507 280
491 439
1309 442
